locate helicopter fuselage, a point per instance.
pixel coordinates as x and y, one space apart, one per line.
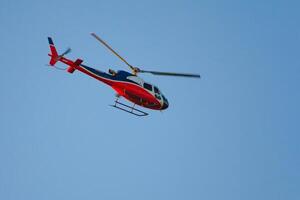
131 87
127 85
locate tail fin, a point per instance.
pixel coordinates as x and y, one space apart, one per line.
54 54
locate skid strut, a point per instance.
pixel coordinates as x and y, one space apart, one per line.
129 109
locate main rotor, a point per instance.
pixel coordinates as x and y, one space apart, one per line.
136 70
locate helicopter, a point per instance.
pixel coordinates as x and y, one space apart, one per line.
126 84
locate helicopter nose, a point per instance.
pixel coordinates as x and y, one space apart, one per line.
165 106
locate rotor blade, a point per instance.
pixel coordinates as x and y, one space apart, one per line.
66 52
107 46
171 74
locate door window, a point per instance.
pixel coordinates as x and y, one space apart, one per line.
148 86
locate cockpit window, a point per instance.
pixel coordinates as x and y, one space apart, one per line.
156 90
158 96
148 86
164 98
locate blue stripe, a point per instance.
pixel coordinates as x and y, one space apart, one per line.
120 76
50 41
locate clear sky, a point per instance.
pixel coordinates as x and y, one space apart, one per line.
234 134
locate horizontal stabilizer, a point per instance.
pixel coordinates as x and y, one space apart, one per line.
74 65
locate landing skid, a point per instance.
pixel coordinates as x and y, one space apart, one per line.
129 109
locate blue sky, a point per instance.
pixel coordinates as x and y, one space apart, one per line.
234 134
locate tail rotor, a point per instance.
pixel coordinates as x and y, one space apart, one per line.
65 53
54 55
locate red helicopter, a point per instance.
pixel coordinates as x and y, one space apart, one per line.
127 85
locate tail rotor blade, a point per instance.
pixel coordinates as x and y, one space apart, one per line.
66 52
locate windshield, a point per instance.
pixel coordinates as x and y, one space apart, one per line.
164 98
156 90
